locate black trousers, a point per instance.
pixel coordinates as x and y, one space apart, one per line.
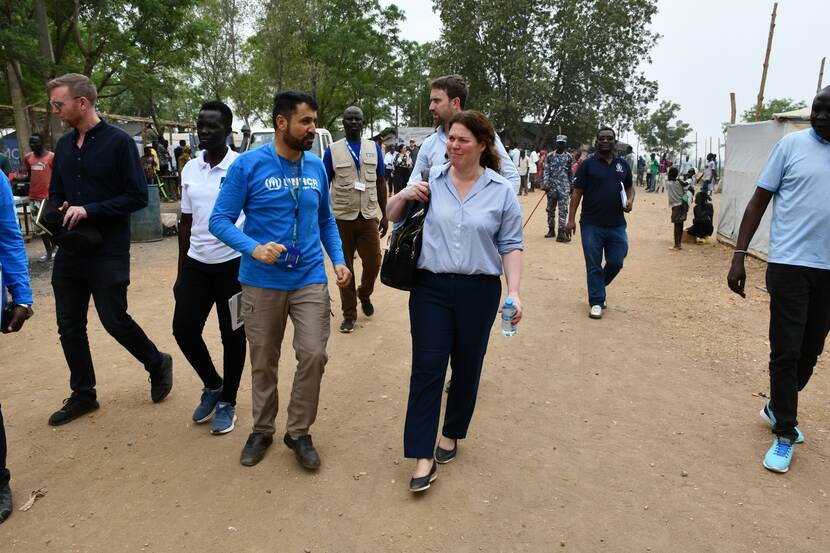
200 287
105 279
450 317
4 472
798 325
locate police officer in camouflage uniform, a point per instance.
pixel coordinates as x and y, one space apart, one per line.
558 182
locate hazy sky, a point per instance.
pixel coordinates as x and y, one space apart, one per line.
710 48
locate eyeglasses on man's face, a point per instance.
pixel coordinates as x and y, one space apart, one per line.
59 105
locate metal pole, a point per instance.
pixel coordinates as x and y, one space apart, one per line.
820 75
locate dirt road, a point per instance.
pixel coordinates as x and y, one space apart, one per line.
639 432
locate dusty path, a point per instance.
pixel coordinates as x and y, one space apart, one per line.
639 432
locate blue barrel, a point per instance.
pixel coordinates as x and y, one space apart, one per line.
145 224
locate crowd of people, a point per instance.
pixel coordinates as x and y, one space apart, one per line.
256 229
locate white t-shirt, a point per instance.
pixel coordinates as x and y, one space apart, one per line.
534 160
200 187
710 170
514 155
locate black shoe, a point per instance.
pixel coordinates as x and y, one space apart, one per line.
551 233
347 326
444 456
161 379
5 502
73 407
303 450
422 483
368 308
255 448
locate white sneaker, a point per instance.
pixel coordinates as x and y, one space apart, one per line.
596 312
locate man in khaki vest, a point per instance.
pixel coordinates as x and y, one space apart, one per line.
358 199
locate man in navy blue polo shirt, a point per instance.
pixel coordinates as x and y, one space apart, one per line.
604 180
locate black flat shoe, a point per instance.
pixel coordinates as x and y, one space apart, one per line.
304 451
422 483
444 456
255 448
5 502
161 379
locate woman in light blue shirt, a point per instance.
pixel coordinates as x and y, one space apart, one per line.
472 231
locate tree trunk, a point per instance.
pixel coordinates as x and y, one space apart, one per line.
21 114
47 53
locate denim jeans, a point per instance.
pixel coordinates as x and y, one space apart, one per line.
596 242
798 325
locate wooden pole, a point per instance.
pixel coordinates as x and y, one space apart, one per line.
734 108
820 75
760 105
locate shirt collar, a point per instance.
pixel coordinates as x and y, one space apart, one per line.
817 137
224 164
97 128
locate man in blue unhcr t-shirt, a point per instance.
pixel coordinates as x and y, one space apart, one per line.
604 181
797 175
284 192
14 277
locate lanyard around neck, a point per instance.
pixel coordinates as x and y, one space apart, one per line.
354 155
294 189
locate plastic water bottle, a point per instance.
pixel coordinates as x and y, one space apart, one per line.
508 311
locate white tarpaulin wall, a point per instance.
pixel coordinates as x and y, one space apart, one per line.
747 148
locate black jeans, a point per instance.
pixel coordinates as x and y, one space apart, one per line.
201 285
450 317
4 472
798 325
105 279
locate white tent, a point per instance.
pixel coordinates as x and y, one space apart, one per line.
748 146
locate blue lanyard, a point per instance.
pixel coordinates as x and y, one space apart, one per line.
354 155
295 190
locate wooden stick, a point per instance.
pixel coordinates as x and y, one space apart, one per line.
734 109
759 107
820 75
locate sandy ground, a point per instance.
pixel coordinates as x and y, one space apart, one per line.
639 432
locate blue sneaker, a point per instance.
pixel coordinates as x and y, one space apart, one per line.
766 414
207 404
224 418
780 455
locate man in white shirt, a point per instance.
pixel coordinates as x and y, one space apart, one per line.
447 97
209 273
515 155
533 168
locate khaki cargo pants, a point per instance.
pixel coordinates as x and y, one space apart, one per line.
265 312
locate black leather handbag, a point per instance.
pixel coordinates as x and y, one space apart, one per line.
400 260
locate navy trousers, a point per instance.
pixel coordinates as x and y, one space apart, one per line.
450 317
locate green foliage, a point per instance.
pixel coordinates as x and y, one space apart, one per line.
771 107
661 131
568 64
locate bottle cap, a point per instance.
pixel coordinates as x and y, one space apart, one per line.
509 301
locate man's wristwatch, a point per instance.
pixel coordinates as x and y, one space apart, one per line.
27 307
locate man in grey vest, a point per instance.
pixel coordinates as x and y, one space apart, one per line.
355 169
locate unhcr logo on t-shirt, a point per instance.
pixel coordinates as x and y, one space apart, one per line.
620 168
273 183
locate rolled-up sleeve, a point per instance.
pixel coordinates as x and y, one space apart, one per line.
510 235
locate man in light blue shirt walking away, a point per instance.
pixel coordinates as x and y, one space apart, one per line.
797 176
14 277
284 192
447 97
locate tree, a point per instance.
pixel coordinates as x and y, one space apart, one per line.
568 64
771 107
661 131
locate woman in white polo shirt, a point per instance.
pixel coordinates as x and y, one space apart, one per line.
208 272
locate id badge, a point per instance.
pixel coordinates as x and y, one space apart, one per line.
292 257
360 186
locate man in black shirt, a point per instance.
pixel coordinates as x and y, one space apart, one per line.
604 180
97 182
